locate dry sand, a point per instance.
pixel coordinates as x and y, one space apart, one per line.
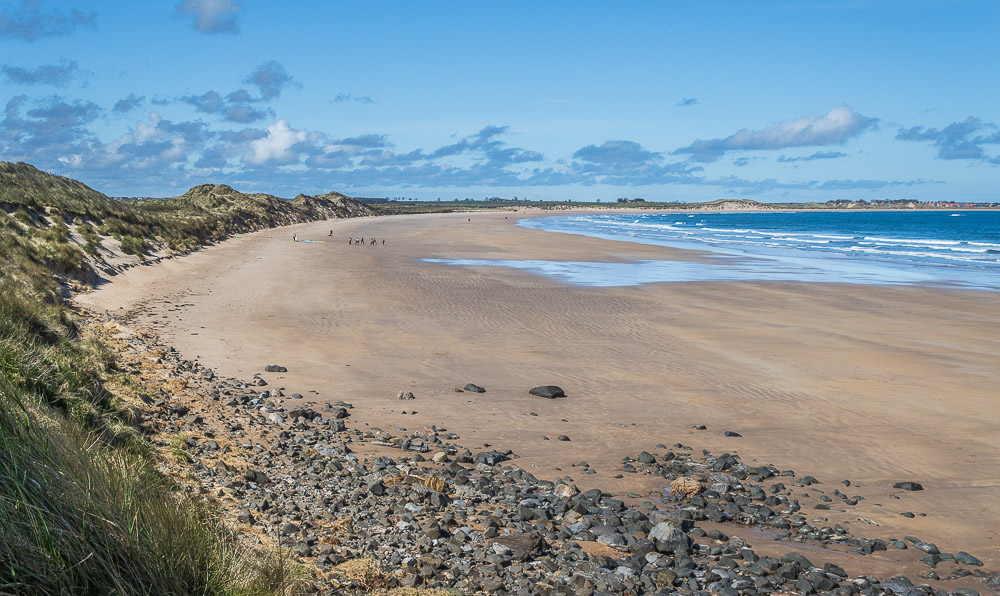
872 384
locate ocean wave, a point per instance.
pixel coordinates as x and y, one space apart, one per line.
918 241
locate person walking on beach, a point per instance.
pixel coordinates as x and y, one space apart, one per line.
383 242
295 237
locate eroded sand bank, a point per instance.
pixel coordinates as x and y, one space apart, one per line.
871 384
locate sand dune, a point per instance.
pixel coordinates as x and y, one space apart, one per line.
871 384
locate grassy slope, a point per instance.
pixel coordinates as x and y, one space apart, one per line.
82 507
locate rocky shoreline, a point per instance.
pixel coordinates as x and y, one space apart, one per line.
370 509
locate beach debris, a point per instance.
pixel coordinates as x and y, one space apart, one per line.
548 391
405 395
908 486
274 368
473 388
685 486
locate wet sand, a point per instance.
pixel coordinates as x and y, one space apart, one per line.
872 384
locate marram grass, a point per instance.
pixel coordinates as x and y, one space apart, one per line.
83 509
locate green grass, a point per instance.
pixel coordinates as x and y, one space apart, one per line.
83 508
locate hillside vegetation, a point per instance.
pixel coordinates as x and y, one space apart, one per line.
83 508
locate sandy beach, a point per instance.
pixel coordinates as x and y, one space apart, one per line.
875 385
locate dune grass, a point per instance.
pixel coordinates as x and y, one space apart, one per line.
83 507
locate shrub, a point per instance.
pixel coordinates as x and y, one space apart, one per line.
132 245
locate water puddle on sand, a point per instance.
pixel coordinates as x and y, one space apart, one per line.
727 268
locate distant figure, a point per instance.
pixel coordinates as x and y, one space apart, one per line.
470 219
383 242
373 242
295 237
350 241
331 233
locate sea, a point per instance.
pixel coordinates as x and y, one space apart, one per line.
946 249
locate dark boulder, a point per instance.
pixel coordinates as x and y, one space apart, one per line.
548 391
910 486
491 458
473 388
274 368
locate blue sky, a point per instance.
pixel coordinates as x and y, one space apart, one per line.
775 101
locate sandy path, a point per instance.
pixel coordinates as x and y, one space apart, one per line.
875 385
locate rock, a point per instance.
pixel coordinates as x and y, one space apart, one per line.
440 457
274 368
405 395
257 477
473 388
730 433
303 412
562 438
908 486
566 491
491 458
928 547
798 559
668 538
548 391
967 559
522 543
611 538
431 529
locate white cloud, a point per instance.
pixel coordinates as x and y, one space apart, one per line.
277 146
212 16
836 126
